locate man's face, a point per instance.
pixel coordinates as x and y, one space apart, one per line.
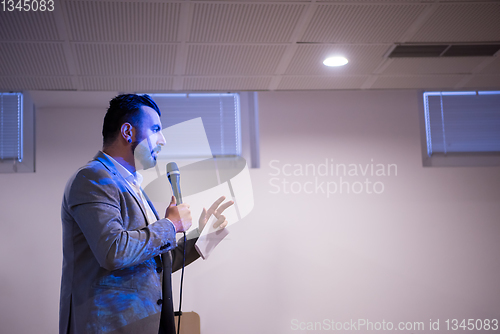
148 138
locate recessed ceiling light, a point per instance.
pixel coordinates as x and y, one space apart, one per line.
335 61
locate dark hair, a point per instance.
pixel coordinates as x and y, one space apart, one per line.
124 108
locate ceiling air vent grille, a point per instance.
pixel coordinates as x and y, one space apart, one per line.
444 50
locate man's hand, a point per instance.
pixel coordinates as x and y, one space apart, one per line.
217 212
180 215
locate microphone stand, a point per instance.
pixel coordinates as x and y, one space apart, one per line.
178 313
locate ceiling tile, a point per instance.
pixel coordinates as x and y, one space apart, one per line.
312 82
28 26
32 59
363 59
233 59
18 83
395 1
244 22
458 65
226 83
462 22
484 82
376 23
236 1
123 21
417 81
125 59
127 84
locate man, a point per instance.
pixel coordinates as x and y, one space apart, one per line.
118 255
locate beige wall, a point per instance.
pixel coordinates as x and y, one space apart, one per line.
425 248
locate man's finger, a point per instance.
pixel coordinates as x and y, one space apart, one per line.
216 204
203 214
173 201
224 207
219 221
223 223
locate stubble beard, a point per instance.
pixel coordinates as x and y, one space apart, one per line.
143 152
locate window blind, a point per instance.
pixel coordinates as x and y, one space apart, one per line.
11 127
462 122
220 114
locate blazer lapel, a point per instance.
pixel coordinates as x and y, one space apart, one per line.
102 158
150 205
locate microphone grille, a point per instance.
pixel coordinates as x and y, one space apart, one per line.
172 167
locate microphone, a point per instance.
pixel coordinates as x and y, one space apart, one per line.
174 176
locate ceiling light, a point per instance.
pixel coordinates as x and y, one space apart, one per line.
335 61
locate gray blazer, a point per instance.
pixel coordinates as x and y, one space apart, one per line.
116 274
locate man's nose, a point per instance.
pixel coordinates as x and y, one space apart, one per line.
161 139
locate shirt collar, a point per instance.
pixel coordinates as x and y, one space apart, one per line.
131 178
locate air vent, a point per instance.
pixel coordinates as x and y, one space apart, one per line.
403 51
444 50
486 50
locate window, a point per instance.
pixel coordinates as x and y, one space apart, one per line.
220 114
462 128
17 133
11 126
230 120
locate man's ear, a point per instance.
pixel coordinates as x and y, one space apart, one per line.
127 132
